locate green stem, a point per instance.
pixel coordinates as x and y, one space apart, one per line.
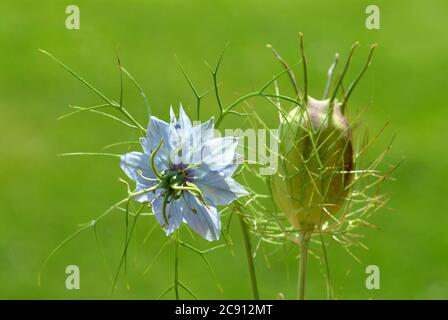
226 111
176 265
198 108
135 194
250 260
302 265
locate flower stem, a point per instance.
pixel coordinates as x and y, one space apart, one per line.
302 265
250 260
176 265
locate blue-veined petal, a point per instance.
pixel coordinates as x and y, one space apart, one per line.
157 130
205 130
173 214
203 220
193 142
184 122
136 166
230 169
216 187
173 119
181 138
218 153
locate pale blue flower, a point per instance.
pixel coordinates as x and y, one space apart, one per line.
191 171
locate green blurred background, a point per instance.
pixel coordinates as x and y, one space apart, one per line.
44 197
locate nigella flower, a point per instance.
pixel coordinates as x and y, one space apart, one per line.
185 172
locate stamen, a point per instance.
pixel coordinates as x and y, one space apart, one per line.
140 173
195 191
165 202
192 166
152 160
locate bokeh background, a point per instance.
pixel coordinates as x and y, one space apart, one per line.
44 197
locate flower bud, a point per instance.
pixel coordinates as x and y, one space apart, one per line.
315 165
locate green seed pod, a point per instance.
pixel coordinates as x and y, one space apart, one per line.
316 163
316 157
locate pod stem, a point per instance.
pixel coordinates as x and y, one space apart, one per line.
176 265
250 260
304 241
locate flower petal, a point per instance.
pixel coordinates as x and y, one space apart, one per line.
181 138
218 153
137 168
173 214
216 187
193 141
157 130
134 162
173 119
230 169
204 220
205 130
184 120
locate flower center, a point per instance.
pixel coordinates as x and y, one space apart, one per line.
173 178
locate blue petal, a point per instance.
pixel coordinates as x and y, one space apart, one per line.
198 134
193 141
230 169
173 214
219 153
203 220
184 120
205 130
217 188
157 130
173 119
183 142
136 166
